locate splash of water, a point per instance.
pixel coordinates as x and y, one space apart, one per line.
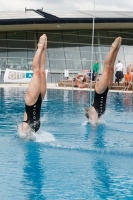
100 121
44 136
30 135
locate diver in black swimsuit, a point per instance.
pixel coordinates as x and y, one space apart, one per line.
36 90
33 114
103 85
99 102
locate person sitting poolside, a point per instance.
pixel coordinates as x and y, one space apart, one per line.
81 81
128 79
103 85
36 89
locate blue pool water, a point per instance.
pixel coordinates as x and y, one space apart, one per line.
69 159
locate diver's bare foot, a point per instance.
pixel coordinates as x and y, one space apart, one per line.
42 42
117 43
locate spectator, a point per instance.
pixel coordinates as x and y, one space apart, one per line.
119 72
95 70
128 79
91 75
82 81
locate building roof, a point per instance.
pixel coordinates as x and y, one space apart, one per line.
65 17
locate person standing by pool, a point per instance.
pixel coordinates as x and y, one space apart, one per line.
36 89
95 70
103 85
119 72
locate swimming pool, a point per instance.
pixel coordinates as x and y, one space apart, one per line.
69 159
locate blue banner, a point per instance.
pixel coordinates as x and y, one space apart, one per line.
29 75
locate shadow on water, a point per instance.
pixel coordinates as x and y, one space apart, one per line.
96 134
103 184
102 187
33 172
111 173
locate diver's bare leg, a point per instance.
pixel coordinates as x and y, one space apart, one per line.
42 70
108 70
35 83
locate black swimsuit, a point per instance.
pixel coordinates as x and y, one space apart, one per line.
33 114
100 102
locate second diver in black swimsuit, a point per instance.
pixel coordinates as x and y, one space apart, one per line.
103 85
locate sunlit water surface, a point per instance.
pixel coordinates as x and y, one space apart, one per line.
68 159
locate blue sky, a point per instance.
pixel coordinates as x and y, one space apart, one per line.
116 5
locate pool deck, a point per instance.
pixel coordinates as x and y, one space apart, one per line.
55 86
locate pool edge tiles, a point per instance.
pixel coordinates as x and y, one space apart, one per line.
54 86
